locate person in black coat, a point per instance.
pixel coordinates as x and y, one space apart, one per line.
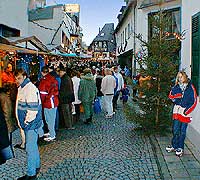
66 97
98 80
4 138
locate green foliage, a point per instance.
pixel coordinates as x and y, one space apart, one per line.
134 113
159 61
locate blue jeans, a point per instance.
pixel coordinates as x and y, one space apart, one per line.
100 99
50 118
179 134
33 156
57 120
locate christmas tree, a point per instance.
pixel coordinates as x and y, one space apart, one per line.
158 60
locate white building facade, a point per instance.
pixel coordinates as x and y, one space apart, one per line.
124 33
14 17
190 58
54 27
186 18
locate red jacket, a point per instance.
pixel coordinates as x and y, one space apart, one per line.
49 91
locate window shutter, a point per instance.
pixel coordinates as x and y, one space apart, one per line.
196 51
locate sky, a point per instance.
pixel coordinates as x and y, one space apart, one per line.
94 14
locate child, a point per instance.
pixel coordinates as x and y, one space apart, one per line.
184 97
125 94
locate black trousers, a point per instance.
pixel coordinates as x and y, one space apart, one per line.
66 112
115 98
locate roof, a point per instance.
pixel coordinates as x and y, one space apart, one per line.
122 9
52 46
42 13
32 39
125 13
148 3
106 34
6 47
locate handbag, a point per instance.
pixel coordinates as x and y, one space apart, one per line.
7 152
97 106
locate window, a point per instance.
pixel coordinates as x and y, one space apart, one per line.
125 34
129 30
9 32
123 37
104 55
102 34
100 44
174 26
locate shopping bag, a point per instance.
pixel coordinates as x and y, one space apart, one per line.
81 108
7 152
97 106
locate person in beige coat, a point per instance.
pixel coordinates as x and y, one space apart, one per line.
107 88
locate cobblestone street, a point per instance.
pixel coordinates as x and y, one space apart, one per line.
107 149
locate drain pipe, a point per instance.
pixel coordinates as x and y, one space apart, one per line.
134 41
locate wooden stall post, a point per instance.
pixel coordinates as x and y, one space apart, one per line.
0 71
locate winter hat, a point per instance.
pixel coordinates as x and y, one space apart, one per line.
87 71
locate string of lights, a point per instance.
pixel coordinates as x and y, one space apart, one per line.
56 32
68 27
179 36
43 26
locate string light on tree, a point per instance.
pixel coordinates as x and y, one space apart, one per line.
176 35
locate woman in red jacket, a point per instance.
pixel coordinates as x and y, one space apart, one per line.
48 87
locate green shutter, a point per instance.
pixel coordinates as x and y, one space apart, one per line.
196 51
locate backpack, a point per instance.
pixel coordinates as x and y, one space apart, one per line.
97 106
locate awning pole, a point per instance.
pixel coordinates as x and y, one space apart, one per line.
0 72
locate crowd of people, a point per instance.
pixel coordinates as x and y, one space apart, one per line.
43 106
63 92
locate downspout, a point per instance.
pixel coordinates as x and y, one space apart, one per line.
134 42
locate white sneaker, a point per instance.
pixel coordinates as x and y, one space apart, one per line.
46 135
169 149
179 152
48 139
113 113
73 113
108 116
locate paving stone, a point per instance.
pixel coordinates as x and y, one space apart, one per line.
179 173
195 177
191 164
194 172
175 165
107 150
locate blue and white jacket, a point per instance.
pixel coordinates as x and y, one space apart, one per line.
28 106
184 102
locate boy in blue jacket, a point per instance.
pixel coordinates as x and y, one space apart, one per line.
29 117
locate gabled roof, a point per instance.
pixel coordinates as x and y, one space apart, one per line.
32 39
122 9
106 34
